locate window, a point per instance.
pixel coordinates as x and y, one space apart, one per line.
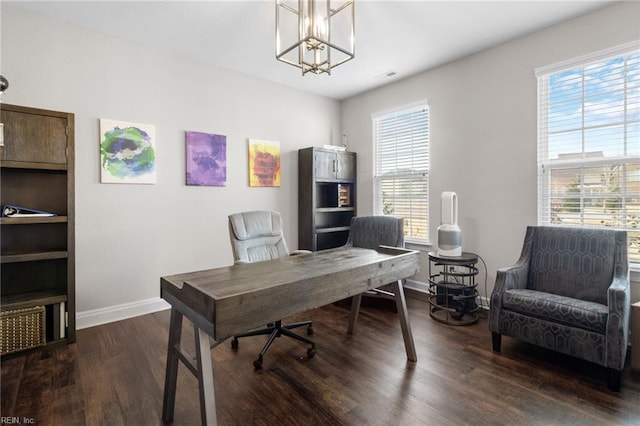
401 171
589 143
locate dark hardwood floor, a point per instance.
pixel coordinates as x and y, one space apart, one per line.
114 375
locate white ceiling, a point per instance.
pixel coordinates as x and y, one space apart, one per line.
391 35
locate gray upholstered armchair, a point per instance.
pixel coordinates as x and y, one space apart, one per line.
568 292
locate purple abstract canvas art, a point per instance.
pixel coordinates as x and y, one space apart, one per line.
206 159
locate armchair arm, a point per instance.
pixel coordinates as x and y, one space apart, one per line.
515 276
618 299
512 277
506 279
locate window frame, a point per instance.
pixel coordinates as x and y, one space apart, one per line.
420 176
628 160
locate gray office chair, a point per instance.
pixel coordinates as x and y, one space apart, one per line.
371 232
256 236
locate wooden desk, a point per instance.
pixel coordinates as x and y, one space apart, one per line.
225 301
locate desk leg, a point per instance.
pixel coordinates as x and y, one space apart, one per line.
355 309
205 378
171 375
403 315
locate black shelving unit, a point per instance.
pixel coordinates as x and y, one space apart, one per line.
37 253
326 197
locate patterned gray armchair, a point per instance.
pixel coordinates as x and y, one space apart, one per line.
568 292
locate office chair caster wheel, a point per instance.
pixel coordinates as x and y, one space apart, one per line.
234 344
257 364
311 352
310 331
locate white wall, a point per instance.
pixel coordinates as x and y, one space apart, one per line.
127 236
483 129
483 124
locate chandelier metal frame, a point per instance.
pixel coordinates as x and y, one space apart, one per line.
315 47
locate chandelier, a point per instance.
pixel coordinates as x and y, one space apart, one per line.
314 36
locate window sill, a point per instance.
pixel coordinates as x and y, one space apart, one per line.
426 247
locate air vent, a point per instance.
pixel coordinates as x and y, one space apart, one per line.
387 74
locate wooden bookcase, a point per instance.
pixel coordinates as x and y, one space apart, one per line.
326 197
38 253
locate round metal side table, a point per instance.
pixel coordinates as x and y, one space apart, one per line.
452 288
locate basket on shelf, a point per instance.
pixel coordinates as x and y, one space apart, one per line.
22 329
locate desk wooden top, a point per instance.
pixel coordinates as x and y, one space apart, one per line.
238 298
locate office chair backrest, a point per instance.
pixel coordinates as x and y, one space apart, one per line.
257 236
373 231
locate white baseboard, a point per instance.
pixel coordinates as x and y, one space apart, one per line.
100 316
418 286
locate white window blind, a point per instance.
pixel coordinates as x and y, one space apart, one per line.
401 171
589 143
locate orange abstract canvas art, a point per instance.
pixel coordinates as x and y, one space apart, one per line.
264 163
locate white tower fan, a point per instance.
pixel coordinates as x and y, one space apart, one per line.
449 233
